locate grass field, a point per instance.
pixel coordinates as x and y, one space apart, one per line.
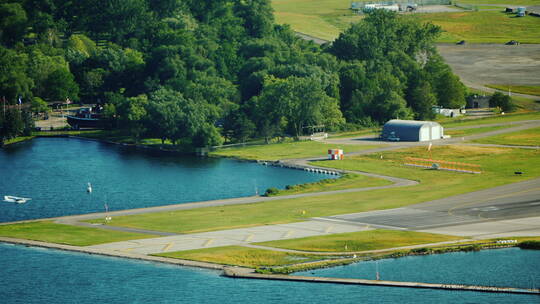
348 181
326 19
484 27
498 165
241 256
462 122
530 137
502 2
473 130
323 19
530 90
64 234
360 241
299 149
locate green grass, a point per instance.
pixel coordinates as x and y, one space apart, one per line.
462 121
348 181
501 2
18 140
530 90
323 19
241 256
299 149
529 137
360 241
65 234
484 27
498 164
365 132
326 19
473 130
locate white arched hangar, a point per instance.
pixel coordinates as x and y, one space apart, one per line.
411 130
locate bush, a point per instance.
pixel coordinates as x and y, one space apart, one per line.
530 245
504 102
271 191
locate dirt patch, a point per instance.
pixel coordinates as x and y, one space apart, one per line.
494 63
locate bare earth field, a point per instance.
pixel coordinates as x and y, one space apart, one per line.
482 64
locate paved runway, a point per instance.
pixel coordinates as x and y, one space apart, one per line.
510 208
232 237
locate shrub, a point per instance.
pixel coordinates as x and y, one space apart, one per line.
530 245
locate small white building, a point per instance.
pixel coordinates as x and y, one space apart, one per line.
411 130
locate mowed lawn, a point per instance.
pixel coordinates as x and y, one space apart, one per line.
326 19
47 231
498 166
484 27
360 241
323 19
530 137
530 90
241 256
299 149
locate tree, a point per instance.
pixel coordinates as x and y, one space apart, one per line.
450 91
136 114
300 102
504 102
422 101
60 85
14 81
13 23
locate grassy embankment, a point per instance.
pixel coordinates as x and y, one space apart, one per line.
498 165
326 19
47 231
267 260
474 130
360 241
529 137
299 149
464 121
502 2
530 90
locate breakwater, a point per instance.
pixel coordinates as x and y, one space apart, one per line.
242 273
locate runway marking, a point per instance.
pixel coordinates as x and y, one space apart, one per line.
287 234
451 210
208 242
167 247
249 237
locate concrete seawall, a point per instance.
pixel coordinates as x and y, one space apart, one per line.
242 273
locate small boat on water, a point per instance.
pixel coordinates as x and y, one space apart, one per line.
15 199
89 188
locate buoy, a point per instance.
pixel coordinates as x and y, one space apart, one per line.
89 188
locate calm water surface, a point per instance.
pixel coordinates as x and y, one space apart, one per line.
512 267
33 275
54 172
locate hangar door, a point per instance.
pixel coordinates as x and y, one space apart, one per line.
424 133
435 132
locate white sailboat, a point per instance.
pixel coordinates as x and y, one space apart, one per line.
89 188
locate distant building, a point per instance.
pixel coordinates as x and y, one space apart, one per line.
411 130
478 102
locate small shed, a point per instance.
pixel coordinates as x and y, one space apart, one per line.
411 130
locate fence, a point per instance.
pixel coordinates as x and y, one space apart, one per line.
443 165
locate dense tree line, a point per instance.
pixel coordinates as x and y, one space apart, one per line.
203 72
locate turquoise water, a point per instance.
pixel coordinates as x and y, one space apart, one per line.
54 172
512 267
35 275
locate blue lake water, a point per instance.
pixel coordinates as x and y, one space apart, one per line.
35 275
512 267
54 172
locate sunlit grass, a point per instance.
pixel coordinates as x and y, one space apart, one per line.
46 231
529 137
360 241
241 256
